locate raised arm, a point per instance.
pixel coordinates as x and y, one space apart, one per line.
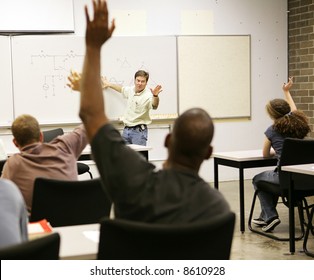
106 84
155 93
286 89
92 106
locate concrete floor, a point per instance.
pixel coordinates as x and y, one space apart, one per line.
252 246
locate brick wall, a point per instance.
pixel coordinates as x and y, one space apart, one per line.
301 55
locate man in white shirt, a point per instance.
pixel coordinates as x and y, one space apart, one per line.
140 101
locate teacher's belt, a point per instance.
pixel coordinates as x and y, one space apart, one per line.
141 127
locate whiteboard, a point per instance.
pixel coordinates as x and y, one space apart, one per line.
36 16
41 65
6 104
214 73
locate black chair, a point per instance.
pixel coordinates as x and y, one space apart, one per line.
42 248
294 151
49 135
65 203
309 229
129 240
2 162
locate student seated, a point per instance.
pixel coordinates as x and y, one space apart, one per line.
13 215
56 159
175 194
288 121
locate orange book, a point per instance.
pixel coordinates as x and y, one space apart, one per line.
38 228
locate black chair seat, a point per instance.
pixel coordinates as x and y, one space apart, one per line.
83 168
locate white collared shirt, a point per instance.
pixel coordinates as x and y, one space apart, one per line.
138 106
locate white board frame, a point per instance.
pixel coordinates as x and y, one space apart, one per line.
214 73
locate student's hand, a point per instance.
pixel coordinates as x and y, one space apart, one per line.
104 82
98 30
74 80
156 90
287 86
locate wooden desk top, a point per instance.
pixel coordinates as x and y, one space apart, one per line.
241 155
88 151
79 242
138 148
307 169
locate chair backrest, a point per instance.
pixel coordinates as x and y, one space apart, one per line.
51 134
65 203
42 248
129 240
296 151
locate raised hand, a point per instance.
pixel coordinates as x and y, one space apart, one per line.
156 90
98 30
74 80
287 86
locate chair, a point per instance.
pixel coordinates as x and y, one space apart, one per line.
53 133
294 151
2 162
309 229
130 240
65 203
49 135
42 248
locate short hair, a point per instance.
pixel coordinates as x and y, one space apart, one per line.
192 133
25 130
142 73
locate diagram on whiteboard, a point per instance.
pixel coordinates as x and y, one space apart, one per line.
60 67
41 66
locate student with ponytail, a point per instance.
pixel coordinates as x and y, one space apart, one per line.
287 122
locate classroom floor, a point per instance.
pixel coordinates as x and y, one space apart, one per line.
252 246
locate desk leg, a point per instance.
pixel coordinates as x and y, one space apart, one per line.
241 190
216 179
291 217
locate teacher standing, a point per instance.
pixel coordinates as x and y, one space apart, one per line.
140 100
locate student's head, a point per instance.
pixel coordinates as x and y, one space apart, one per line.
189 143
289 124
140 80
25 130
277 108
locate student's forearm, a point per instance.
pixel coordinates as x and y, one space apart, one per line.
290 100
92 101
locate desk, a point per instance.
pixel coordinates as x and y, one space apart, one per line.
297 172
241 160
77 242
87 152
